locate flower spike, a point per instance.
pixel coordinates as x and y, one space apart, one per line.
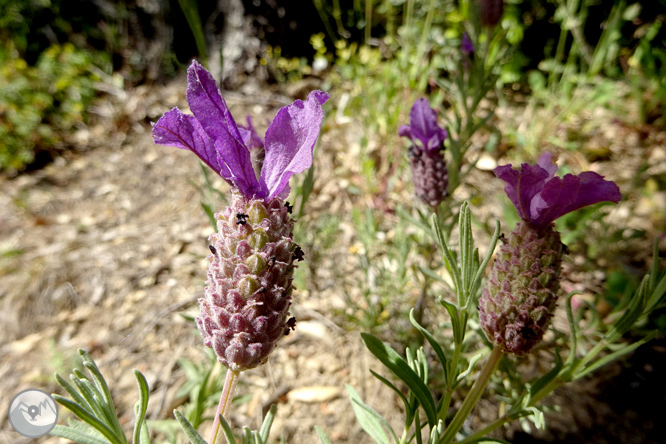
245 308
518 302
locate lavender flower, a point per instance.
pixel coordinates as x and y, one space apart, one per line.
466 45
426 155
518 301
248 291
491 12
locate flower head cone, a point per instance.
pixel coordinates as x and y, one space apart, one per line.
426 155
245 310
521 294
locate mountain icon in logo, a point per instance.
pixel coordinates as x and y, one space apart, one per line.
33 413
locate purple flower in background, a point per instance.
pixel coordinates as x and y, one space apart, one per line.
518 302
490 12
426 157
466 45
423 127
245 308
540 197
212 134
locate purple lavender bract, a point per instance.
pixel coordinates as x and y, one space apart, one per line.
245 310
518 301
426 157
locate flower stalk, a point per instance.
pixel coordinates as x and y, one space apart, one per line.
473 396
230 382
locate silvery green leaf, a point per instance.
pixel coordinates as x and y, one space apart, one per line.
370 420
141 406
191 433
322 436
76 435
268 423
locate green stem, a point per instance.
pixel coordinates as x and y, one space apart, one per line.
499 422
225 402
473 396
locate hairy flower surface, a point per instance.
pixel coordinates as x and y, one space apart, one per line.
426 157
520 296
245 310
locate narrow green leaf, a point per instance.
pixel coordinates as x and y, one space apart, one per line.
613 356
87 417
472 363
190 432
369 419
573 328
141 405
92 397
191 13
441 356
210 213
72 392
265 430
456 326
631 314
548 377
656 296
100 382
431 274
391 359
449 261
491 249
75 435
409 409
226 429
323 439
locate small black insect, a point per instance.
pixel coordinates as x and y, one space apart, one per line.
502 238
565 249
298 254
212 249
241 218
289 207
291 325
271 262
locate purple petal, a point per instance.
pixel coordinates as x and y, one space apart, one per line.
522 186
466 45
540 197
547 164
290 139
207 104
423 126
251 138
212 112
570 193
182 131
